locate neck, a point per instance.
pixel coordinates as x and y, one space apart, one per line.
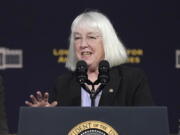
93 75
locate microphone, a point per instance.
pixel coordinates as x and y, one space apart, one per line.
103 76
81 72
82 78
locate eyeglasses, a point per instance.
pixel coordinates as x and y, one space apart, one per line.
90 39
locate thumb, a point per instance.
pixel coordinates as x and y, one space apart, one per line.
53 104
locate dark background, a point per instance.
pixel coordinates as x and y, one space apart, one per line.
37 27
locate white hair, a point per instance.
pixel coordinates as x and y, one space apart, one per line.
115 52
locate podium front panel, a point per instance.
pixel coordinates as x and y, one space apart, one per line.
125 120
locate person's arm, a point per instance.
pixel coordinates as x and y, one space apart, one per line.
3 121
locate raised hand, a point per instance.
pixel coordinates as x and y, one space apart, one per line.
40 100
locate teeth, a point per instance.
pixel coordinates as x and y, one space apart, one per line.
86 53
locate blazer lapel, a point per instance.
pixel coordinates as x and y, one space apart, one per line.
109 92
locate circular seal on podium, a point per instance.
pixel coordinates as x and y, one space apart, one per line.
93 127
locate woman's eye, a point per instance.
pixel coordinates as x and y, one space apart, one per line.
92 37
76 38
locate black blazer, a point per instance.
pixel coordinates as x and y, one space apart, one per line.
129 87
3 124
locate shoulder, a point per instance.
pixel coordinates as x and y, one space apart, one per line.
65 78
128 70
130 73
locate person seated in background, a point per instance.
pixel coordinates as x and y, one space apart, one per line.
3 121
92 40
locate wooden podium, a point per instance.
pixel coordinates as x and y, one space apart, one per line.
93 121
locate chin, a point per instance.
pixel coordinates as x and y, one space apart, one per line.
87 60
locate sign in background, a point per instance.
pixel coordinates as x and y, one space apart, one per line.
34 41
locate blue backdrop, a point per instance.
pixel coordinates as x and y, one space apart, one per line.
37 32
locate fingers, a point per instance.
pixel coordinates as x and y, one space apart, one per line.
46 97
28 103
34 99
40 100
39 96
53 104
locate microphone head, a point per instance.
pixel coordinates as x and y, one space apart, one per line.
81 72
104 66
81 66
103 76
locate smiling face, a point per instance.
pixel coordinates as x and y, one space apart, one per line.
88 46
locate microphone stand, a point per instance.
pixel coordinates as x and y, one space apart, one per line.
93 93
82 78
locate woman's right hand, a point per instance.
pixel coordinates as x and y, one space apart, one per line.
40 100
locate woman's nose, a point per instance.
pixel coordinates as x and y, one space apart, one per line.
84 43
